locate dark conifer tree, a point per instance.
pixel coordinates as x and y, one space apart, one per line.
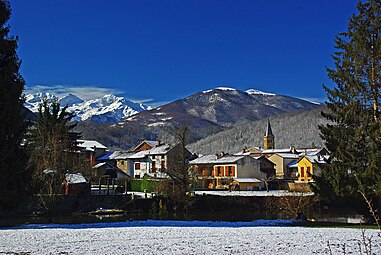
353 137
12 159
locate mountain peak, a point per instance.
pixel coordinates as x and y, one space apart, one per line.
258 92
70 100
219 88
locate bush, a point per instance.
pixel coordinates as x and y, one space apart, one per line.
144 184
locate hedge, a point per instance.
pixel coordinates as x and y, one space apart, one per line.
143 184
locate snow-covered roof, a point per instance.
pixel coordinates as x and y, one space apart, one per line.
124 155
90 144
246 180
288 155
242 154
317 159
110 156
160 150
75 178
310 151
138 155
99 165
293 164
212 159
270 151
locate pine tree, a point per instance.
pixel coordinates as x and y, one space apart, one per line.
14 178
354 137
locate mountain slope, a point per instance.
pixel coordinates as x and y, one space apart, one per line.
222 106
293 129
205 113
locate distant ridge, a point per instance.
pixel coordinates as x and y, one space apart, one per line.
205 113
107 109
223 106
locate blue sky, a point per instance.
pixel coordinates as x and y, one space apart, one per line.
164 50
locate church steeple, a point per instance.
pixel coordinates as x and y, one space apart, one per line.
269 138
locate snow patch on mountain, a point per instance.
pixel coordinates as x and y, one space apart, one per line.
258 92
70 100
32 101
108 109
219 88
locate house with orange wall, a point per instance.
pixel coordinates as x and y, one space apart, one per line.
218 171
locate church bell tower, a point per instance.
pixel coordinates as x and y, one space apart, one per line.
269 141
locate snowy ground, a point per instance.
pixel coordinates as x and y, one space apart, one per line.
276 193
171 237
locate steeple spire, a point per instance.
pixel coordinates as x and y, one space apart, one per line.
269 138
269 131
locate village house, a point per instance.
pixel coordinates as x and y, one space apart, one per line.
218 171
75 184
308 166
107 166
281 161
125 163
92 150
150 158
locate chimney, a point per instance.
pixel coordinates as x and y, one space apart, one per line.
158 143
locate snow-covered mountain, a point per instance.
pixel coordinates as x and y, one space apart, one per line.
221 106
108 109
70 100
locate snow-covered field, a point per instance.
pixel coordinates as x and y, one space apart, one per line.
275 193
176 237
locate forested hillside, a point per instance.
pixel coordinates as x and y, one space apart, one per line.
296 129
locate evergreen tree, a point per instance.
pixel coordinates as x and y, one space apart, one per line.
354 136
14 178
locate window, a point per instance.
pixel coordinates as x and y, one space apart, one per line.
227 170
218 171
205 172
302 172
162 165
153 166
308 171
137 166
231 171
